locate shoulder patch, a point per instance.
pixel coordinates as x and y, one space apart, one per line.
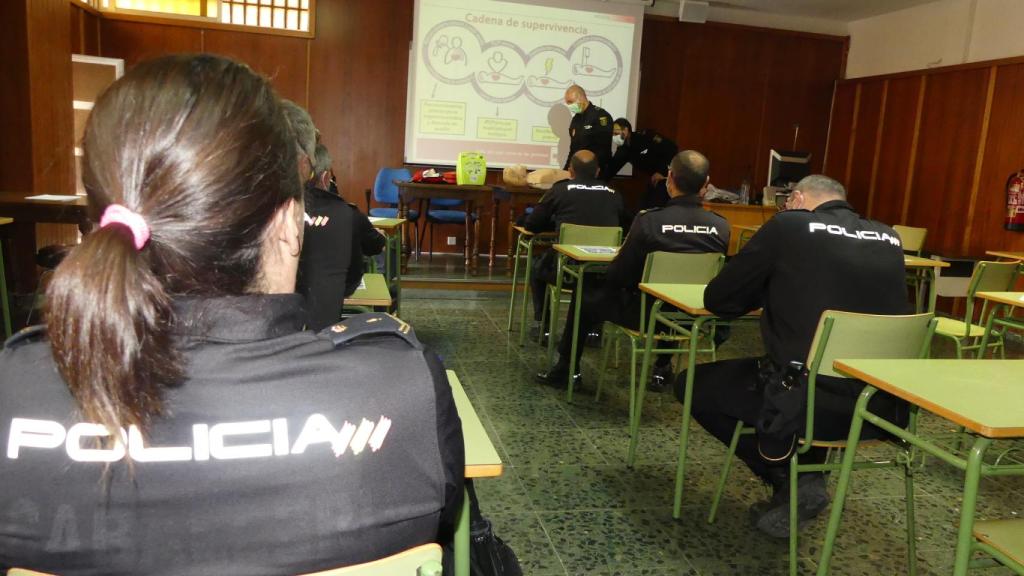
657 139
370 324
604 120
26 335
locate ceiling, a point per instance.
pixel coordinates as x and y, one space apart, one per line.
842 10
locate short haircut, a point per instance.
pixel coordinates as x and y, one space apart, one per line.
322 160
821 185
576 90
690 171
623 123
584 164
303 127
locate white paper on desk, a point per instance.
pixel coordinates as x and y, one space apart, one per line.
598 249
376 219
53 198
362 284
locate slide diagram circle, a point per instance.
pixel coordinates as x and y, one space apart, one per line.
456 53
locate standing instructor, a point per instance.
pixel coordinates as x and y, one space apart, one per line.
590 129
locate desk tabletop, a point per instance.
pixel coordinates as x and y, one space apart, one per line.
16 205
386 223
581 253
984 396
1011 298
5 220
687 297
526 232
1006 254
482 460
373 291
405 184
918 262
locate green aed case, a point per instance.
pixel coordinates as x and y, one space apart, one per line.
471 169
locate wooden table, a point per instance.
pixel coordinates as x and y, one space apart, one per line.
575 261
984 396
1005 254
741 215
22 232
482 461
930 268
515 196
392 229
372 293
689 298
472 196
1008 302
525 240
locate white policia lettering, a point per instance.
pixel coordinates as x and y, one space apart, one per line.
687 229
208 441
837 230
584 187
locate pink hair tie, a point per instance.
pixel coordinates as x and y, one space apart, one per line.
118 214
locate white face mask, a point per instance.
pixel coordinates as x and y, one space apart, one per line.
618 140
575 108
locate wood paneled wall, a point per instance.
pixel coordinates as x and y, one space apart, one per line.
934 149
732 92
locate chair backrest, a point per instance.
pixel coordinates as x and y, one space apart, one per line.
424 560
681 268
912 238
989 277
590 235
384 189
848 335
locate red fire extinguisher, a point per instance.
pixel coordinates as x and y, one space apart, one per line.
1015 202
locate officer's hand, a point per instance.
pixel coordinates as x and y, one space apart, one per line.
656 177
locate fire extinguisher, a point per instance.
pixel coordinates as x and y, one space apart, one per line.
1015 202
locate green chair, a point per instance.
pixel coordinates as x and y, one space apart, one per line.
664 268
4 302
913 243
525 243
1003 540
845 335
580 236
965 334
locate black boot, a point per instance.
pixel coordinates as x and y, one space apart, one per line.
558 376
772 517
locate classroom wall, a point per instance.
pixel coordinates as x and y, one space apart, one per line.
934 149
941 33
730 91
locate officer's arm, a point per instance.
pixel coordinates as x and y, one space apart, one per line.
742 285
328 252
542 219
619 160
371 241
355 263
626 270
449 440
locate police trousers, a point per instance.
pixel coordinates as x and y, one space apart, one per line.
727 392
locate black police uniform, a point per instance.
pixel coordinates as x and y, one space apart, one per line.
583 202
683 225
650 153
283 452
591 130
337 237
799 264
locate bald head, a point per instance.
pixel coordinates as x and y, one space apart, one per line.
583 165
688 173
575 94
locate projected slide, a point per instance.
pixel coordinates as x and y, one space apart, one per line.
489 77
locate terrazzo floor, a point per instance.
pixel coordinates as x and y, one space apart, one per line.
567 503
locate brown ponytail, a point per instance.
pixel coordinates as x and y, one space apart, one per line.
199 147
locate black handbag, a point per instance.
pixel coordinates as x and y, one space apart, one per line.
783 409
488 554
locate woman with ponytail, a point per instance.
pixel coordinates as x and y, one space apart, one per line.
172 417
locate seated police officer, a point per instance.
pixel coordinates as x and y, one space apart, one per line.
649 152
583 200
174 418
337 238
805 260
683 225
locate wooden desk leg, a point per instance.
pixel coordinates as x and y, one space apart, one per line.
475 254
494 226
511 221
403 257
469 222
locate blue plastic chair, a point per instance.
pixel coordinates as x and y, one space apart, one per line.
440 211
385 192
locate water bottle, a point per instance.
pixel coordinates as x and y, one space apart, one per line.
745 192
